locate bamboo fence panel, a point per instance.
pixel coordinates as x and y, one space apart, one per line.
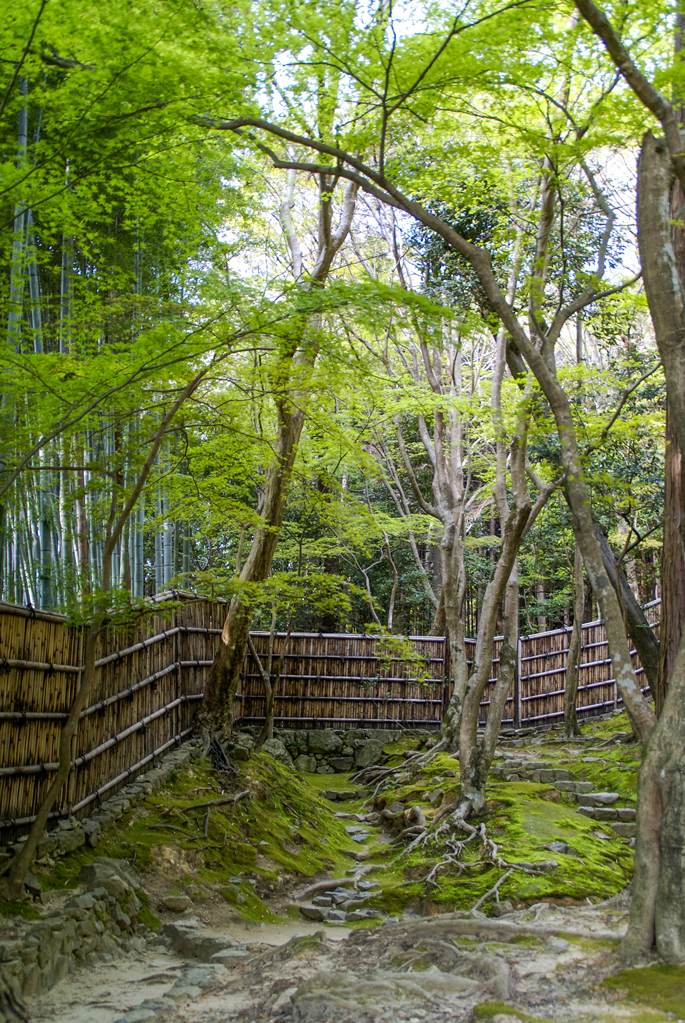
339 680
150 682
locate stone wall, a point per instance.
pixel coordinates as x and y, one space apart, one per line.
97 924
318 750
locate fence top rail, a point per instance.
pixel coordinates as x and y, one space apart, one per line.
30 612
350 635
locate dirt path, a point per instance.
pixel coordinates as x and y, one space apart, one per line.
420 970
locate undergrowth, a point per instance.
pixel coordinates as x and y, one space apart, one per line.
288 831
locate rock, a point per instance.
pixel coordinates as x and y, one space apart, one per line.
602 798
560 774
177 903
337 916
502 908
230 956
32 884
584 786
560 847
69 841
545 777
625 829
240 753
341 764
436 796
330 794
625 813
277 750
314 912
558 945
188 940
587 811
324 769
94 874
305 763
322 900
605 813
345 794
92 830
370 753
323 740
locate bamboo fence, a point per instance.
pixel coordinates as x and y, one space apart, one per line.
150 682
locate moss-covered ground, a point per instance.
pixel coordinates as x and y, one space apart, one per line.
652 993
287 832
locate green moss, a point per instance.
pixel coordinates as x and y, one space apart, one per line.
488 1010
657 987
22 909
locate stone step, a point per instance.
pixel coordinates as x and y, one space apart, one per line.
608 813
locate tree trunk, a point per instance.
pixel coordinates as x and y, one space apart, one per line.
657 914
641 632
672 566
228 663
473 756
452 599
571 726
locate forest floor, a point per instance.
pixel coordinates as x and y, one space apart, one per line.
542 946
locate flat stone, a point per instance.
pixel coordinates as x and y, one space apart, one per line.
353 829
587 811
625 829
185 992
602 798
546 777
362 837
626 813
330 794
337 916
316 913
190 942
605 813
560 774
322 900
229 956
345 794
177 903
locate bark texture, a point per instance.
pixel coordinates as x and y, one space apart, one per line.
641 632
657 914
571 726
